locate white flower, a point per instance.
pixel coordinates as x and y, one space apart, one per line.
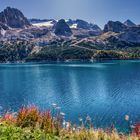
73 128
58 108
54 105
15 114
88 118
64 123
80 119
61 113
126 117
67 125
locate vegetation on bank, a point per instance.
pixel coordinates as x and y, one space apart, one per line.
81 53
31 124
18 50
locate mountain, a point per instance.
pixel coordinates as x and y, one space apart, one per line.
81 28
62 28
82 24
115 26
129 23
23 39
131 35
14 18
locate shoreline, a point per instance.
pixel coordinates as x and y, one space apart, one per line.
68 61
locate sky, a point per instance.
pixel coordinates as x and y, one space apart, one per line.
94 11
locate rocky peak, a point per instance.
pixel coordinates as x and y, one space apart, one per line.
129 23
62 28
14 18
70 22
82 24
115 26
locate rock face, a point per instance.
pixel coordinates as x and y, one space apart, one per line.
115 26
131 35
62 28
3 26
3 29
14 18
82 29
82 24
129 23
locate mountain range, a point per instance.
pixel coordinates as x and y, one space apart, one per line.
23 39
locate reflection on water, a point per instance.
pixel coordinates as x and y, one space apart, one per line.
105 91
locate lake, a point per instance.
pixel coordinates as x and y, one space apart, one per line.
105 91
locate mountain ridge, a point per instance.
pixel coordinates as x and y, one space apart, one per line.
14 18
48 39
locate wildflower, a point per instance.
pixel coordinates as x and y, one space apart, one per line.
79 128
58 108
62 114
137 129
88 118
73 128
54 105
80 119
126 117
15 114
64 124
9 117
68 125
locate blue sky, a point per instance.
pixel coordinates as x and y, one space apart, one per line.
97 11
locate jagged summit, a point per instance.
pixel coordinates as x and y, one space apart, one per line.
62 28
115 26
14 18
129 23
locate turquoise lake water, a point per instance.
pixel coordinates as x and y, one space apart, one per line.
105 91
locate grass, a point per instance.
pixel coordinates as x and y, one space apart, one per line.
29 123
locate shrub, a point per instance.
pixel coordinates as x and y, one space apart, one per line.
28 117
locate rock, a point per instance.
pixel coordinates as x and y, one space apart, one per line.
62 28
3 29
115 26
82 24
14 18
3 26
129 23
131 35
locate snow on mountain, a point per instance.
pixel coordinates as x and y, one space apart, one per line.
47 24
129 23
3 32
73 26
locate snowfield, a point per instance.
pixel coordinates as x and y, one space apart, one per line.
47 24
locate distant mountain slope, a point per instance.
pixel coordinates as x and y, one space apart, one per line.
49 39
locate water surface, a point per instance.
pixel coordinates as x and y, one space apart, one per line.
105 91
